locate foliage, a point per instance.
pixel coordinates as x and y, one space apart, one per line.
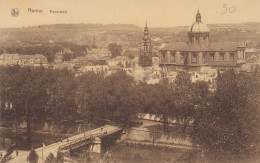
226 120
178 101
7 157
230 124
50 158
33 156
110 97
57 94
115 49
48 50
59 157
67 57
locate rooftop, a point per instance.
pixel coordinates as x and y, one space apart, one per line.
216 46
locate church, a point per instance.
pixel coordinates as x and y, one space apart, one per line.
199 53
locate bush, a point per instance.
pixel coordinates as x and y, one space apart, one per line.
60 157
33 157
50 159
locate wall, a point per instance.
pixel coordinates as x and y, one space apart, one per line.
144 136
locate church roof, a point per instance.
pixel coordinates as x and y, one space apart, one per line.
215 46
176 46
198 26
223 46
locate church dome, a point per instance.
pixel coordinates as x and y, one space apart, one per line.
198 26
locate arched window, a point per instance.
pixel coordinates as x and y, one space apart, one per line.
211 56
163 56
172 57
194 58
231 56
204 57
221 56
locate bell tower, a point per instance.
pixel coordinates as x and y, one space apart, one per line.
145 57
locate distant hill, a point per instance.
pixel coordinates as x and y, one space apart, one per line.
89 26
255 26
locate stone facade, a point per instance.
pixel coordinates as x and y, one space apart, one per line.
199 52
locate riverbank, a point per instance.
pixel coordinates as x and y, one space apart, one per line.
150 134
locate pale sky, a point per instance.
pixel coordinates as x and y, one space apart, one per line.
158 13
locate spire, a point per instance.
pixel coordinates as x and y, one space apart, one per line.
198 16
145 57
146 29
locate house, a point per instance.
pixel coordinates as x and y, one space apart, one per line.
33 60
96 68
66 65
9 59
23 60
207 75
102 53
124 60
58 57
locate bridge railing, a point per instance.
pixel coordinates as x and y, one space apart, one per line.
87 137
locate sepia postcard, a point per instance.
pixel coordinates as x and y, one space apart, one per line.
129 81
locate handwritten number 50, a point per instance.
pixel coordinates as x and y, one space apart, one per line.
228 9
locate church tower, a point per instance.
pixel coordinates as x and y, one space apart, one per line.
145 57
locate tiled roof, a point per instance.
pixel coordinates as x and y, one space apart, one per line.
223 46
178 46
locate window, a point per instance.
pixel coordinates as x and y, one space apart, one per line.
172 57
163 57
182 57
231 56
221 56
204 58
212 56
194 58
197 39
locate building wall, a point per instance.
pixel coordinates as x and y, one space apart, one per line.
23 60
199 58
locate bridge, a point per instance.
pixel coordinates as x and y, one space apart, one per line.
92 137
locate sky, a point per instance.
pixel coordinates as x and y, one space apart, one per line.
158 13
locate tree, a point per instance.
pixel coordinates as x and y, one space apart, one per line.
33 156
230 124
50 158
62 90
115 49
67 57
25 89
120 97
60 157
163 104
7 157
184 102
